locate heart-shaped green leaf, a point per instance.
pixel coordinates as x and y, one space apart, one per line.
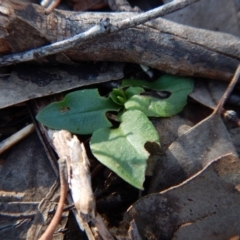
177 87
81 112
122 149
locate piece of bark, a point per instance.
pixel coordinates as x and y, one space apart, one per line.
69 147
160 44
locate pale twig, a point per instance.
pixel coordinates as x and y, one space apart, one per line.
16 137
80 179
97 31
50 8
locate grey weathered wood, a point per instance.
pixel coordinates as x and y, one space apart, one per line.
160 44
97 31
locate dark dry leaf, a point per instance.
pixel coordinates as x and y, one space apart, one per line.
204 207
235 136
215 15
192 151
34 81
25 179
208 92
169 129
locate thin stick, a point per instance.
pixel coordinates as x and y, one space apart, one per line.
102 229
16 137
48 234
230 87
54 4
97 31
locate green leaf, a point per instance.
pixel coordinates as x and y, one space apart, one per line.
81 112
118 96
164 83
122 149
178 87
129 92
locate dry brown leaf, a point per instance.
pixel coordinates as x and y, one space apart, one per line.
26 178
192 151
204 207
169 129
34 81
235 136
133 231
215 15
208 92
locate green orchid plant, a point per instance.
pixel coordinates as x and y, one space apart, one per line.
120 149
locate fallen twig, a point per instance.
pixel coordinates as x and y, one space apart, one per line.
231 86
16 137
48 234
99 223
97 31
